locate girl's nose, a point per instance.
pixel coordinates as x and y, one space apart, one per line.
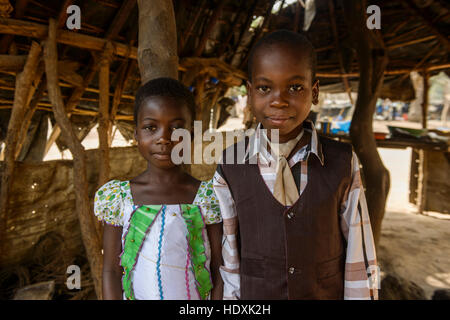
165 137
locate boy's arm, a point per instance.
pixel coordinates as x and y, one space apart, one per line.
361 270
230 268
112 270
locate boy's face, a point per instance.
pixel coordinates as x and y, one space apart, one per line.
281 91
158 117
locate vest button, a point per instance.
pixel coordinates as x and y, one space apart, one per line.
291 270
290 215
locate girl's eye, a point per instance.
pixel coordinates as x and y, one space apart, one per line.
295 88
177 127
150 128
263 89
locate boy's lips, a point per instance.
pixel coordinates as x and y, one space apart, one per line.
277 120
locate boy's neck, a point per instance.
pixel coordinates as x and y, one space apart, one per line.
286 137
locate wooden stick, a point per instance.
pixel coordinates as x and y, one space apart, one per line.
88 231
347 87
233 27
184 39
21 96
209 28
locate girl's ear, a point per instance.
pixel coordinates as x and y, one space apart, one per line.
315 92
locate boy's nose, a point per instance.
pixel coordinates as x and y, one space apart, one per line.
278 100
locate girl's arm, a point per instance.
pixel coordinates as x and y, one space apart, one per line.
215 238
112 270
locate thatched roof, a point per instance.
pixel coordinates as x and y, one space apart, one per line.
216 36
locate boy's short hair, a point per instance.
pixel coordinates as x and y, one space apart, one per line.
289 38
164 87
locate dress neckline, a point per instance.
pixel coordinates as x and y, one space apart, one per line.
172 204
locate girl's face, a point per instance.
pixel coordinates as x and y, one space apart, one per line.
158 117
281 91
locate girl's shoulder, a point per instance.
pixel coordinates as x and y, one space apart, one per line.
109 201
208 202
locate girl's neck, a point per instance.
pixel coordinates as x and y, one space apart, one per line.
160 175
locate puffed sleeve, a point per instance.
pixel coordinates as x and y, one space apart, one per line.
108 203
207 200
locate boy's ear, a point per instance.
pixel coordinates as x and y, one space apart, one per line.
315 92
248 86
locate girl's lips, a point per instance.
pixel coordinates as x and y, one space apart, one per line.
161 156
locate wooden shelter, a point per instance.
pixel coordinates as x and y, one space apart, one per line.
78 78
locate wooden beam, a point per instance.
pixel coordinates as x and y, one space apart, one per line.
39 31
88 231
21 96
12 63
411 6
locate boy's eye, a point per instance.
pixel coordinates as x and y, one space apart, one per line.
295 88
263 89
150 128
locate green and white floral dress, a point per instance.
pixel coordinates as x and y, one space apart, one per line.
166 252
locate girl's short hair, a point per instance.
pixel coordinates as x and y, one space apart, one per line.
164 87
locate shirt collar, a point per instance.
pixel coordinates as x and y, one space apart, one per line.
255 146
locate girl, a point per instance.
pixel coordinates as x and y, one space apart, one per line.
155 244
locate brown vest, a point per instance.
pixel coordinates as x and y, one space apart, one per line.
296 252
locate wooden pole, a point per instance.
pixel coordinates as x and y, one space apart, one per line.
29 115
426 87
88 231
21 96
372 59
104 121
157 53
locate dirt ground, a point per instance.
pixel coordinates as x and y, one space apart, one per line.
414 246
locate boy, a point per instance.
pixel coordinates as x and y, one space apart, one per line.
300 229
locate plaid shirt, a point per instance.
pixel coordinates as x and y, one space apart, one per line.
361 271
